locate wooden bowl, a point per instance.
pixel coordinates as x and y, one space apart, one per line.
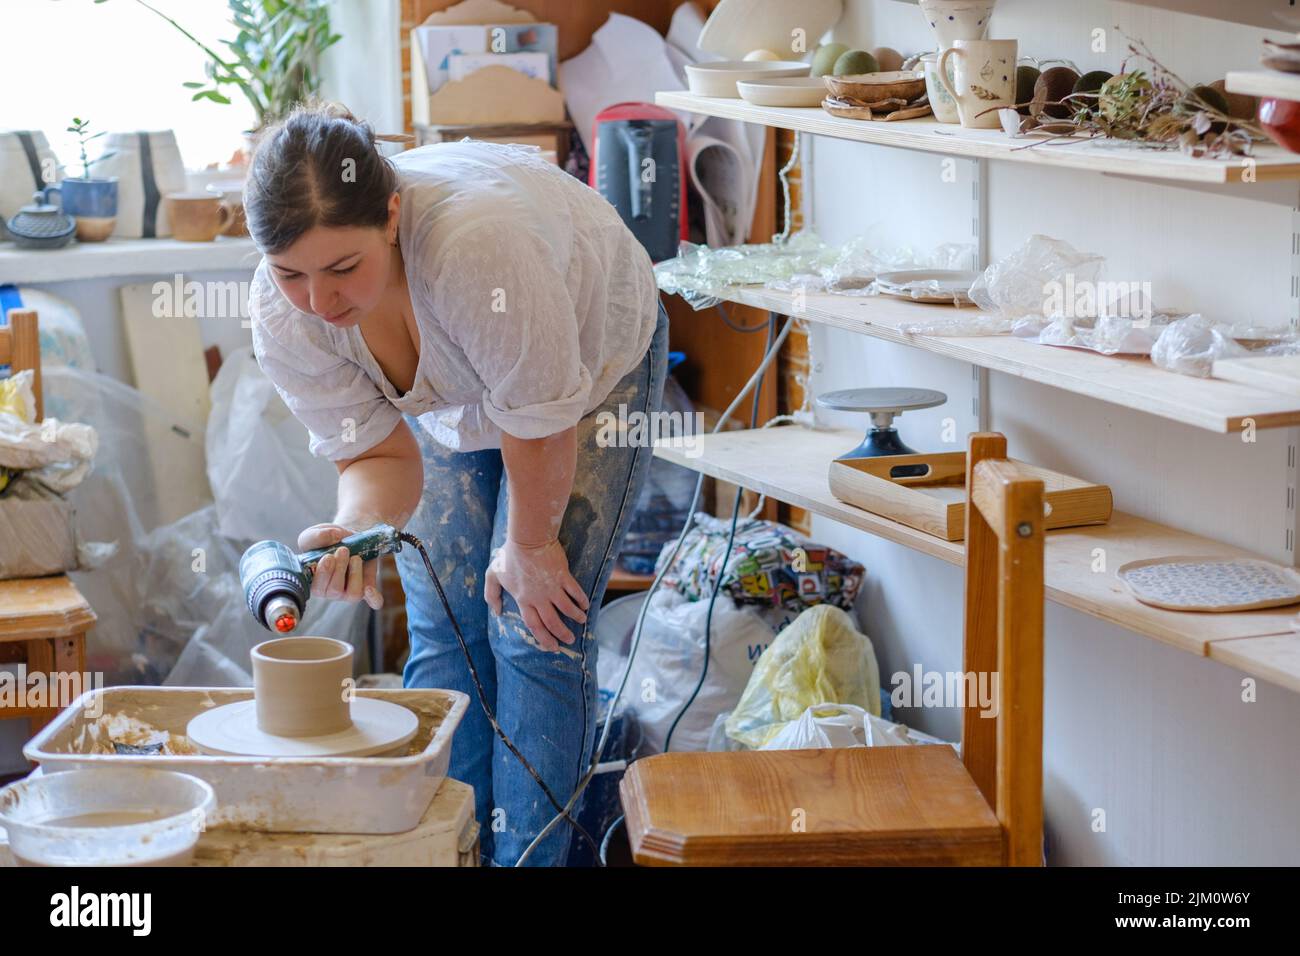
871 88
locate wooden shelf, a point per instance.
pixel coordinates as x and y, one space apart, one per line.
790 464
1212 404
125 257
1100 156
1285 86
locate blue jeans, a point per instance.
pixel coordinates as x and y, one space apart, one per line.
545 702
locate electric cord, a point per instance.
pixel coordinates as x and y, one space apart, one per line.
726 320
773 350
722 568
416 543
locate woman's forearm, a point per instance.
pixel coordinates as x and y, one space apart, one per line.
383 486
540 476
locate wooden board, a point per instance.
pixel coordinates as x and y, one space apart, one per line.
928 135
1275 658
936 502
1273 373
790 464
867 806
169 367
1132 382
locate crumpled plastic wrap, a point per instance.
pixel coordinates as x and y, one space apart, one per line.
702 276
1014 286
39 465
1107 334
1191 345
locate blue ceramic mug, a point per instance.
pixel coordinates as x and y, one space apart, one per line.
92 202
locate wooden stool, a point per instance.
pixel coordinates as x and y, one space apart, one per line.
43 624
889 806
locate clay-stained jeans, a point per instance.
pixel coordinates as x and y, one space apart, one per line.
545 702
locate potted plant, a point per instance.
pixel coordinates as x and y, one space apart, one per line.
274 59
91 201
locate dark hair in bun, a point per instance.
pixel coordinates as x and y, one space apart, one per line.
317 167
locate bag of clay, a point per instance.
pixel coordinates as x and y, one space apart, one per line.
254 442
822 657
669 663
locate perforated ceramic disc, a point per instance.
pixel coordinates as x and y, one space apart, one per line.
378 726
1211 583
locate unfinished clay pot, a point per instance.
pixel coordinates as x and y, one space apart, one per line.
299 685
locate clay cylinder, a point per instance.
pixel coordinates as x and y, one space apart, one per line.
299 686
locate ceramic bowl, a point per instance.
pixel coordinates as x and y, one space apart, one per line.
952 20
868 88
783 91
720 78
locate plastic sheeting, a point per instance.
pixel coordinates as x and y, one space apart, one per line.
702 276
169 604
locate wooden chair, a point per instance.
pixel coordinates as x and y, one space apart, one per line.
889 806
43 621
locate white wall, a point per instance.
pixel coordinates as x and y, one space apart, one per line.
1160 740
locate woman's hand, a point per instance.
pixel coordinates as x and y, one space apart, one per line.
339 575
538 578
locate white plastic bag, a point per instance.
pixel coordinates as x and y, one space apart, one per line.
265 481
1018 284
670 659
832 726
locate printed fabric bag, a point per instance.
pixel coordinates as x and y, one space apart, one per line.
148 166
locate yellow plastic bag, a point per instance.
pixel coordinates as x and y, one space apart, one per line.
820 658
16 399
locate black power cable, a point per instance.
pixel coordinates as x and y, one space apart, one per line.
416 543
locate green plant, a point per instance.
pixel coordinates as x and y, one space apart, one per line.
274 59
81 129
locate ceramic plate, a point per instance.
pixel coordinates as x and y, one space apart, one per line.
738 27
1211 583
783 91
928 285
720 78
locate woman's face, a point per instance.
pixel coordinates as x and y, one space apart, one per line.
338 274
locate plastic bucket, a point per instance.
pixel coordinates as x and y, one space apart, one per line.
108 817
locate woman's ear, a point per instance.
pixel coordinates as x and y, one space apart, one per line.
394 211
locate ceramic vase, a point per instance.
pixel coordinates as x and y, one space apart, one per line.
953 20
300 685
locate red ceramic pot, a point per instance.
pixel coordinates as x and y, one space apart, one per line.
1281 120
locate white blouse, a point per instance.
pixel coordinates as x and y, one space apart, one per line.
531 297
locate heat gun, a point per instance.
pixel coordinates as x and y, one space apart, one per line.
277 581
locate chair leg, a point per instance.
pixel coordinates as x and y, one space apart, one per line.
40 659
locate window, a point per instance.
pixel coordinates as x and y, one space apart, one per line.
120 67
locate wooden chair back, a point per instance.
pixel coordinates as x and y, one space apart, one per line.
20 348
1004 636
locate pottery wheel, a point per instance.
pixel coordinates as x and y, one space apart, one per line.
378 726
